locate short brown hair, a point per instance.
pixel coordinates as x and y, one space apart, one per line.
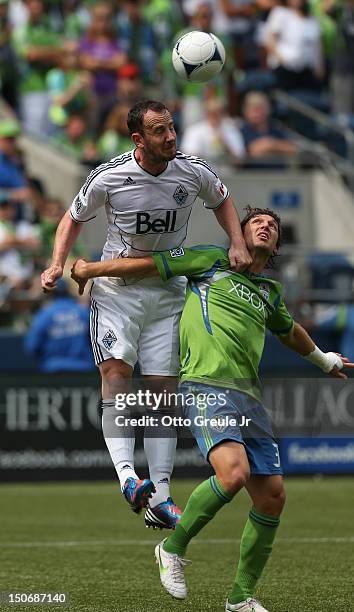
135 119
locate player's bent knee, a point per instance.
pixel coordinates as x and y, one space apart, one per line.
115 369
115 374
274 502
233 479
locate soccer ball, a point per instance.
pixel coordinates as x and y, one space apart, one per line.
198 56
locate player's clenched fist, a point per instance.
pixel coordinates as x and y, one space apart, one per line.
78 274
239 258
50 277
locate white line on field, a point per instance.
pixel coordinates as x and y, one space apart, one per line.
221 541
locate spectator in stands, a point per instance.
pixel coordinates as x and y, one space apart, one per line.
76 140
237 19
165 18
68 86
130 85
58 338
76 19
115 138
18 13
8 65
18 243
262 137
293 42
129 88
216 137
264 8
327 13
13 183
136 36
38 49
342 83
101 56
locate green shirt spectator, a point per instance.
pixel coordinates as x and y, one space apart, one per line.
37 47
327 21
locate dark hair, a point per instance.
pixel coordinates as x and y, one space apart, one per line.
305 8
254 211
135 119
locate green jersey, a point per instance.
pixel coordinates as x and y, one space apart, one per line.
223 323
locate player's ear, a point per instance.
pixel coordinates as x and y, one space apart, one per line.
137 139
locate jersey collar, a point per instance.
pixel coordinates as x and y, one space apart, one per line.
156 176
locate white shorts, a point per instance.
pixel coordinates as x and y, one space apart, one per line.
138 323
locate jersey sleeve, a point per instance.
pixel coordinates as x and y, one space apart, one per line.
196 262
280 321
90 198
212 191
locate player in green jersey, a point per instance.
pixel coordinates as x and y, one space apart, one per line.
222 332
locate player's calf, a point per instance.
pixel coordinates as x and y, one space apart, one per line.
267 493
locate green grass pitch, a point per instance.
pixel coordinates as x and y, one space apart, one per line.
84 540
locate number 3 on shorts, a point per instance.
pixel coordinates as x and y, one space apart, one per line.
277 456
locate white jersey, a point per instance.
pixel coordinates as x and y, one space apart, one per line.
146 213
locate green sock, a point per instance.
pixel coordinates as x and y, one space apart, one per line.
255 548
201 507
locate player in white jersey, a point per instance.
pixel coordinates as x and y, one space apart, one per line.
148 194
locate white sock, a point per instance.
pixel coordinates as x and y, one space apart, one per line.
120 442
160 449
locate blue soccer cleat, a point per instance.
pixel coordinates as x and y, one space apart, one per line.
137 493
164 516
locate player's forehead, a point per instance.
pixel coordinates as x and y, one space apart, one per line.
153 119
263 218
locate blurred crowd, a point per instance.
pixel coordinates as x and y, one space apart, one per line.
71 69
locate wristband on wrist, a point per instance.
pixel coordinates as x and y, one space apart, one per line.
325 361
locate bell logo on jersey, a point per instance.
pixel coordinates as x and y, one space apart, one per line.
159 225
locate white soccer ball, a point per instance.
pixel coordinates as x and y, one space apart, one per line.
198 56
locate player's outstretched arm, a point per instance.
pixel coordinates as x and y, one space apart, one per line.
229 220
331 363
123 267
67 232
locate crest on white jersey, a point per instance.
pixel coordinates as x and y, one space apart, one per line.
180 195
